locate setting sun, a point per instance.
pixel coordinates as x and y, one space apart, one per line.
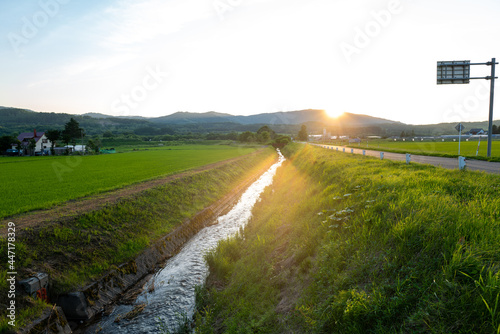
333 113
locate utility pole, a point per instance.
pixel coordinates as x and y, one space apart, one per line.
492 93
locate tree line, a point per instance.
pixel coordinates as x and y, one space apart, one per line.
73 133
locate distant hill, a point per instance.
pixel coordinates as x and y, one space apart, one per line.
281 118
312 115
96 115
100 116
183 117
14 120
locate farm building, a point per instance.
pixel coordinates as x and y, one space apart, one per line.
42 144
476 132
78 148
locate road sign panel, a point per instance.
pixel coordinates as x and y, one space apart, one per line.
453 72
460 127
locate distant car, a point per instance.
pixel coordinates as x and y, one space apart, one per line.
12 152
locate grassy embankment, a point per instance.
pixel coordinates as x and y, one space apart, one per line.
433 148
350 244
76 250
29 183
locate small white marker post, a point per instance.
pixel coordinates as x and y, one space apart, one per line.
408 158
478 143
343 149
337 149
352 150
461 163
364 152
381 155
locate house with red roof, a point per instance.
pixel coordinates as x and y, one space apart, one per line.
42 144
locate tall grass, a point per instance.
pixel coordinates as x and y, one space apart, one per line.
349 244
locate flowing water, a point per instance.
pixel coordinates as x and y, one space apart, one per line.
169 297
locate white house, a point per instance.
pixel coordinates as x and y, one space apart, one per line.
42 143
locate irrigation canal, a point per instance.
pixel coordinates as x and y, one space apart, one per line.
169 296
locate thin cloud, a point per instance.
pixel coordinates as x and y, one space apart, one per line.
83 65
130 23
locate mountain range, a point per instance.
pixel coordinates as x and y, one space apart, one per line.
282 118
15 120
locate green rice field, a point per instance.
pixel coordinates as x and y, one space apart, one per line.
39 182
438 148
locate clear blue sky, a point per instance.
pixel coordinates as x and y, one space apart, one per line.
157 57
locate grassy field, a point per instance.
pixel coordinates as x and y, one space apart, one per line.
77 250
123 145
350 244
39 182
438 148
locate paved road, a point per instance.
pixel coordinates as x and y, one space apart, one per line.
450 163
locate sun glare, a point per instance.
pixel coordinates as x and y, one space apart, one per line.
333 113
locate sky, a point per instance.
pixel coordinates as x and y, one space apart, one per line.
156 57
